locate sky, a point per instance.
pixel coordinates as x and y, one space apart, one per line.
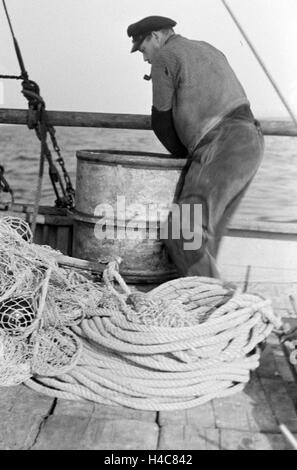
78 51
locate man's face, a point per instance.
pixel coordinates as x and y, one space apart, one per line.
149 46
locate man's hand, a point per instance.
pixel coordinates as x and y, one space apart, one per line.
163 127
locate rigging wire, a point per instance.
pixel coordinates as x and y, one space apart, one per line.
38 120
24 74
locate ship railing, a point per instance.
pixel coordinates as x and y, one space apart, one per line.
55 225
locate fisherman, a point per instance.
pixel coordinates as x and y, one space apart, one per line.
200 111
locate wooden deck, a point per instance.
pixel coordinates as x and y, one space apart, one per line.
247 421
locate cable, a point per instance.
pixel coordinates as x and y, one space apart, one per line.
269 76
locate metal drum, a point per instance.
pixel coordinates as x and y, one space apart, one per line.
121 199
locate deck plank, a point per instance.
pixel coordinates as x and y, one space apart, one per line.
279 292
277 283
239 440
62 433
122 434
94 410
259 412
290 348
21 416
201 416
282 365
260 253
230 412
267 367
180 436
245 411
280 402
78 433
63 241
8 397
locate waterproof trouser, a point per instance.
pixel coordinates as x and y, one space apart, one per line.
210 188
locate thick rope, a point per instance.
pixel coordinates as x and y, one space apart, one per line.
186 342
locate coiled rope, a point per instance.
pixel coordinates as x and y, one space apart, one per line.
182 344
186 342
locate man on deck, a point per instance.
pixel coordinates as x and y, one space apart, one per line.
200 111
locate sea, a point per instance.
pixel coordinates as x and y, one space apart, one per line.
272 196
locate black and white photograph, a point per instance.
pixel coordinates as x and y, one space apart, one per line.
148 227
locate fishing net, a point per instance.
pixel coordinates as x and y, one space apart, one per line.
55 351
179 311
186 342
181 303
17 315
71 297
15 225
15 356
7 278
39 302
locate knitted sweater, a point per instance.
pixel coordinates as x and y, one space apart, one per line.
195 80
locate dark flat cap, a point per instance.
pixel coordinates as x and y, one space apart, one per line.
138 31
